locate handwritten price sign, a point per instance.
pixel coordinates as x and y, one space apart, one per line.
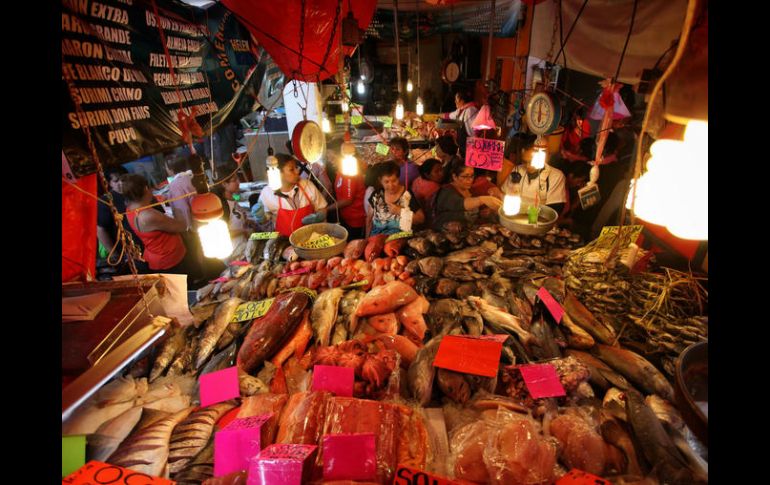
412 131
486 154
387 121
356 120
324 241
252 310
382 149
339 119
264 235
398 235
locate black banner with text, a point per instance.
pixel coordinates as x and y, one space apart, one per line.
115 66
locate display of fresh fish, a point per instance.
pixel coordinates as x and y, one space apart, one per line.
374 247
115 398
467 255
268 333
636 369
421 245
454 385
411 317
347 310
393 248
670 465
214 329
297 343
106 439
147 449
202 311
616 434
191 435
500 318
355 249
583 318
576 336
250 385
386 299
233 331
221 360
171 347
204 292
601 375
324 314
445 287
431 266
421 372
199 468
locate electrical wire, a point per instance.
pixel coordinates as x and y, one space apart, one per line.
580 12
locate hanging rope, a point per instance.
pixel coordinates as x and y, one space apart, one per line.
628 37
569 33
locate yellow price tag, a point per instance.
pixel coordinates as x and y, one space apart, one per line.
324 241
411 130
357 284
311 293
251 310
264 235
382 149
339 119
387 121
356 120
399 235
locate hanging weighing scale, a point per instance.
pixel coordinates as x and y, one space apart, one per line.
543 113
308 141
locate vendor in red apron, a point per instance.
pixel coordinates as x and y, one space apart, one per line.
295 201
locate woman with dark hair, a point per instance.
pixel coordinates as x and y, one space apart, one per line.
388 203
295 200
164 250
577 129
399 151
455 202
446 149
228 189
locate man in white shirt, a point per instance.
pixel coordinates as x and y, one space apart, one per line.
466 111
546 186
296 199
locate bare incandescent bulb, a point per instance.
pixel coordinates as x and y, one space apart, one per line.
400 109
419 107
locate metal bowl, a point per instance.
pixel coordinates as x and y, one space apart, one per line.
691 388
303 233
519 223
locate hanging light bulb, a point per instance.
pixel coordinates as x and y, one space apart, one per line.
511 204
538 158
345 106
215 239
349 161
419 108
400 109
409 86
360 86
673 192
206 208
273 174
326 126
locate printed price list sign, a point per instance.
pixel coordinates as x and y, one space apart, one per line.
252 310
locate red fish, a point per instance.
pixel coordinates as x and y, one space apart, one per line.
302 419
393 248
297 343
355 249
385 323
386 298
374 246
411 317
269 332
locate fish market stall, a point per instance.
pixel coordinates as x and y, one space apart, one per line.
366 344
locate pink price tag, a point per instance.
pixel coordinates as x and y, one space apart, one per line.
219 386
287 464
221 279
237 444
553 306
239 263
295 272
335 379
349 457
542 380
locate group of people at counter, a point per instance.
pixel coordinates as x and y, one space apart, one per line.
399 194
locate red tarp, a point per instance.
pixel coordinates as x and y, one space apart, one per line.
78 229
276 25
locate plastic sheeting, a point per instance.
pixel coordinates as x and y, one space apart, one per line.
78 230
277 26
597 40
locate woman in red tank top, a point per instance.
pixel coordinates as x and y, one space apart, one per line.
164 249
